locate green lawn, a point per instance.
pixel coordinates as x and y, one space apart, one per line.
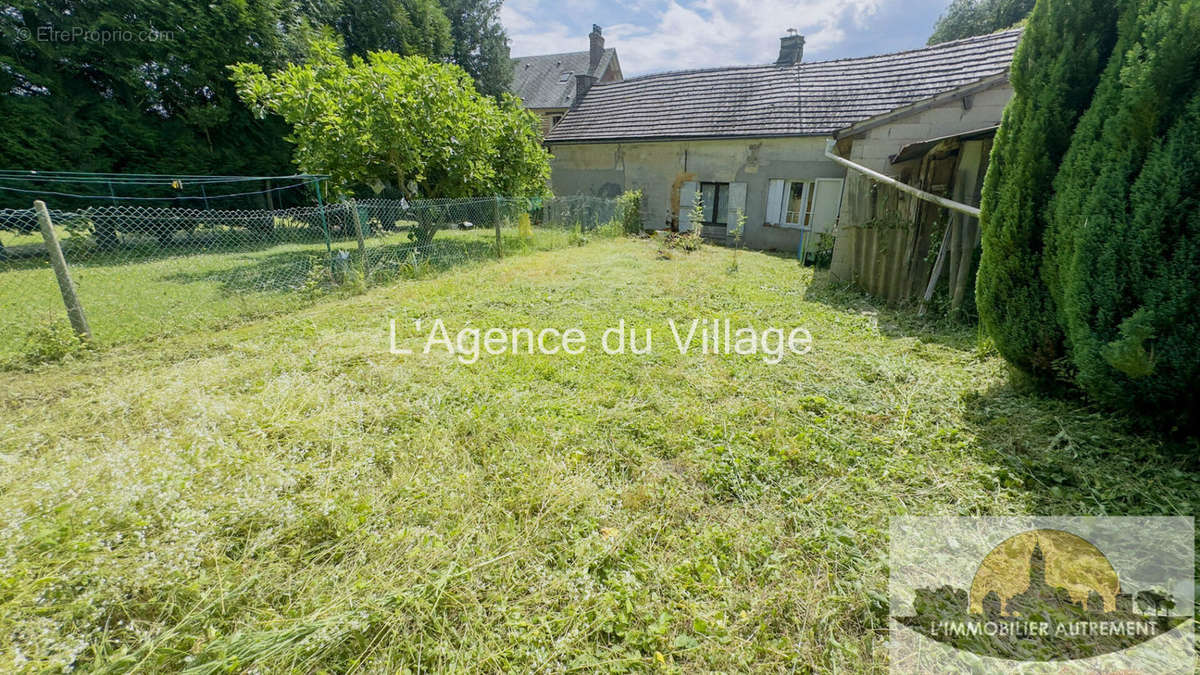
145 293
286 496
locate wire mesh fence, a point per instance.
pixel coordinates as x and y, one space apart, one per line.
142 272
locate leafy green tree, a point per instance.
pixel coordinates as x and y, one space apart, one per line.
404 121
1054 73
968 18
521 162
1125 252
136 85
481 43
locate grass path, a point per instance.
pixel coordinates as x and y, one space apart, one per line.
287 496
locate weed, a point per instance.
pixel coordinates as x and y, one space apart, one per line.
50 341
318 280
734 235
631 211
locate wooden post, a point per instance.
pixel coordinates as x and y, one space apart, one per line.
499 241
362 244
70 298
936 275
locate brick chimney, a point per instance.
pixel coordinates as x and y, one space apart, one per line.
583 83
597 50
791 48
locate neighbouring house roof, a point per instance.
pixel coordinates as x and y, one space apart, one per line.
539 80
807 99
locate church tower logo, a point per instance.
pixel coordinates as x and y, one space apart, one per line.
1074 591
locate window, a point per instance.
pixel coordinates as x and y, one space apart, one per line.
810 205
799 204
716 203
566 76
554 120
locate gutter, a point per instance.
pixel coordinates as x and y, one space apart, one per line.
903 187
677 139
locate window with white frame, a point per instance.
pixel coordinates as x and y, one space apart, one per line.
798 211
804 204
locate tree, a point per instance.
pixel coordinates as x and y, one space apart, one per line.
407 121
1125 220
406 27
1054 73
136 85
968 18
480 43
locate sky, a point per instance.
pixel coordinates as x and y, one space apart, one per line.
659 35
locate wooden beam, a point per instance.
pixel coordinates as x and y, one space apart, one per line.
903 187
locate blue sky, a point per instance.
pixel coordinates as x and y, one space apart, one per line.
657 35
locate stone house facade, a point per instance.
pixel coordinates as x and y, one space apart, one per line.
753 139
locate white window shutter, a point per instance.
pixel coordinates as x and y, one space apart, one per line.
775 192
737 202
687 197
827 202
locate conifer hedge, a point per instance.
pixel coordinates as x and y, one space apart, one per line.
1124 248
1115 238
1054 72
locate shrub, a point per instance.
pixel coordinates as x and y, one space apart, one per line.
1054 72
822 251
631 211
692 239
1124 222
1137 347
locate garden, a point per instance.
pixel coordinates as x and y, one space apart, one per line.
287 495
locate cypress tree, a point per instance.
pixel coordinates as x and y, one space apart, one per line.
1123 256
1054 72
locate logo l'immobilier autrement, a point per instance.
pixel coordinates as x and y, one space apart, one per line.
1036 594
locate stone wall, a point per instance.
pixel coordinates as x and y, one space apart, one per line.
660 168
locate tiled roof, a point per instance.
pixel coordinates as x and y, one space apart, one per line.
538 80
808 99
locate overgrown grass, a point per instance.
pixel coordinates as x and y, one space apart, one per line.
286 496
196 286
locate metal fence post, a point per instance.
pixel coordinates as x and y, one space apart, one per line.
70 298
499 240
325 226
362 244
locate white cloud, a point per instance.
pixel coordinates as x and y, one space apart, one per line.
680 34
529 36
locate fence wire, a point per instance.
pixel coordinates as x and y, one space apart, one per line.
143 273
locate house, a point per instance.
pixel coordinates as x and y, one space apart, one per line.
753 139
550 84
909 217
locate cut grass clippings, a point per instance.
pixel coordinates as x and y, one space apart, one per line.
287 496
